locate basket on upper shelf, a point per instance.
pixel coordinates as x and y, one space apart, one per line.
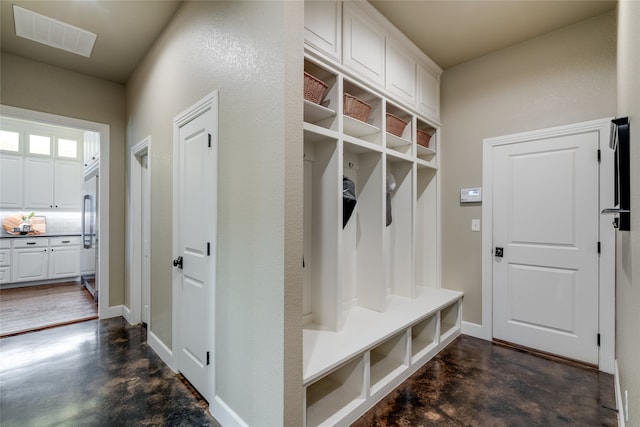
395 125
356 108
423 138
314 88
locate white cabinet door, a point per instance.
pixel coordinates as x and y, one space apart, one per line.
364 44
322 26
64 262
29 264
38 183
401 72
68 185
5 265
428 93
11 182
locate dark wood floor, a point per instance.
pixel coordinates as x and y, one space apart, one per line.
111 377
37 307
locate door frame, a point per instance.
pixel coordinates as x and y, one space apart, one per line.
606 279
134 229
209 102
104 310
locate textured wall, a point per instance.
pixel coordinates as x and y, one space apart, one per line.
628 249
36 86
248 51
563 77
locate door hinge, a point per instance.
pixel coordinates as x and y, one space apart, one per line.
599 156
208 249
210 141
208 359
598 341
599 247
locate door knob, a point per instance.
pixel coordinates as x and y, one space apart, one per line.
499 252
178 262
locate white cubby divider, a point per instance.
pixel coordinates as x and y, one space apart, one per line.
374 310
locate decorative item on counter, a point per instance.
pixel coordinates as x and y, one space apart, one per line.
314 88
423 138
348 199
395 125
391 185
19 224
356 108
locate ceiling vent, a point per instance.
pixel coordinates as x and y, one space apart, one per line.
51 32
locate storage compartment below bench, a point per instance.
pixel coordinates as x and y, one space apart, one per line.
348 371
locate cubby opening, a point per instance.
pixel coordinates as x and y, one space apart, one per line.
322 183
401 143
323 114
362 236
426 228
335 394
371 129
387 360
399 232
428 153
449 317
423 337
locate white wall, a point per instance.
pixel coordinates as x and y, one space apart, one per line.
251 52
628 248
563 77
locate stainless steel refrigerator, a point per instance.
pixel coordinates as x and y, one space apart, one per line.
89 258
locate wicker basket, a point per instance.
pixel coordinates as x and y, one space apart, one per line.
356 108
314 88
423 138
395 125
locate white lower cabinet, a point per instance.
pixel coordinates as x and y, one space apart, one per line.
30 259
87 261
64 257
5 261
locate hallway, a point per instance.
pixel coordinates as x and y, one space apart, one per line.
100 373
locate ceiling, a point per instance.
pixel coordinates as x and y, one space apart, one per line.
449 31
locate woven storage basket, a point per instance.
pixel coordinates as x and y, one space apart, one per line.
423 138
314 88
395 125
356 108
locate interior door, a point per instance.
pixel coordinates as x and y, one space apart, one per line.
196 200
545 236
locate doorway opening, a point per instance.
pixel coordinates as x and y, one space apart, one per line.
52 259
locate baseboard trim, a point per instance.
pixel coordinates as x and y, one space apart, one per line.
472 329
114 311
161 350
619 402
224 414
126 313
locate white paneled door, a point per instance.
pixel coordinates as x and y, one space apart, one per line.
545 237
196 236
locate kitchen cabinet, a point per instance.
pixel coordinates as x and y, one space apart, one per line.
30 259
52 184
87 261
64 257
11 183
91 152
323 27
364 44
5 261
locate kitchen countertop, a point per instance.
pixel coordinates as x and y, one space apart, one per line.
22 236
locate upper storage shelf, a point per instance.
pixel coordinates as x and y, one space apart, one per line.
358 39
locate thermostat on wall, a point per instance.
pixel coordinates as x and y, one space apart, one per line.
470 195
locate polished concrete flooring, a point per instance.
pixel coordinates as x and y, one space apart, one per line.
473 382
95 373
102 373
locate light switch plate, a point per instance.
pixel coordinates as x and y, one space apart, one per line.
475 225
